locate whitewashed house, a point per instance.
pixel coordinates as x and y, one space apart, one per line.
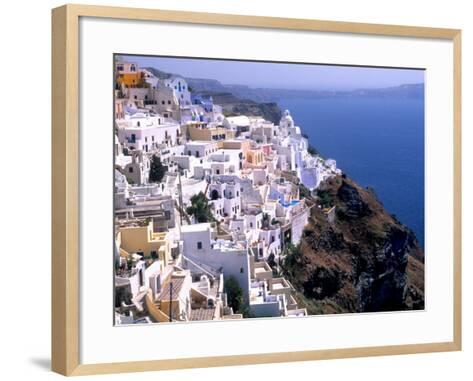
201 245
137 171
148 133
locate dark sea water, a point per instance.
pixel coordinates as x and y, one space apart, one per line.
378 142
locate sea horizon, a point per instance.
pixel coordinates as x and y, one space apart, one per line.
378 142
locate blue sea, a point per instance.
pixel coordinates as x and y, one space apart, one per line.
378 142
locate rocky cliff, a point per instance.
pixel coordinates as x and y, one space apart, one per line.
232 105
357 257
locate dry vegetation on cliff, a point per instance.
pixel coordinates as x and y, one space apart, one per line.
365 260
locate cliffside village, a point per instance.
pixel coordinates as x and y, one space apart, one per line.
169 265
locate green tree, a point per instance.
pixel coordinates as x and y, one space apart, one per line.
200 208
271 260
234 294
157 170
313 151
325 198
293 263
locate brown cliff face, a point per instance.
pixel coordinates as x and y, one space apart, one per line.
365 260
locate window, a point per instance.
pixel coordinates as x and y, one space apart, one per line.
163 102
241 270
146 139
130 170
251 224
199 245
169 102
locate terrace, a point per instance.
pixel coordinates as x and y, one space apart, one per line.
300 312
258 292
280 286
262 271
263 304
291 303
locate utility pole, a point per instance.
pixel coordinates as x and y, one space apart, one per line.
180 193
170 302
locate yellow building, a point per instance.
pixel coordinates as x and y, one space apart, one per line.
128 74
243 145
136 239
255 156
200 131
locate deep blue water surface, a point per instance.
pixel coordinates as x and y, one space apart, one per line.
379 142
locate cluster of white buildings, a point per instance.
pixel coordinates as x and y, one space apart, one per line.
168 266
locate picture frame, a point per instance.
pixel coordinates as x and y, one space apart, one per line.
66 206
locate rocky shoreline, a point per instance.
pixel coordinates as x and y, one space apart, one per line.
360 259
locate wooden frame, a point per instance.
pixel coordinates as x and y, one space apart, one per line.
65 185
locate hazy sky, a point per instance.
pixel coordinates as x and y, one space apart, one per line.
286 76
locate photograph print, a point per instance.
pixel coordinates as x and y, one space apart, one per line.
253 189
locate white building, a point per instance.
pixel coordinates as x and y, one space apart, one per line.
120 158
180 89
122 190
148 133
150 78
200 148
137 171
221 162
239 124
200 244
225 199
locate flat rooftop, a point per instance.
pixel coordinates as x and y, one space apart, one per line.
195 228
200 142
